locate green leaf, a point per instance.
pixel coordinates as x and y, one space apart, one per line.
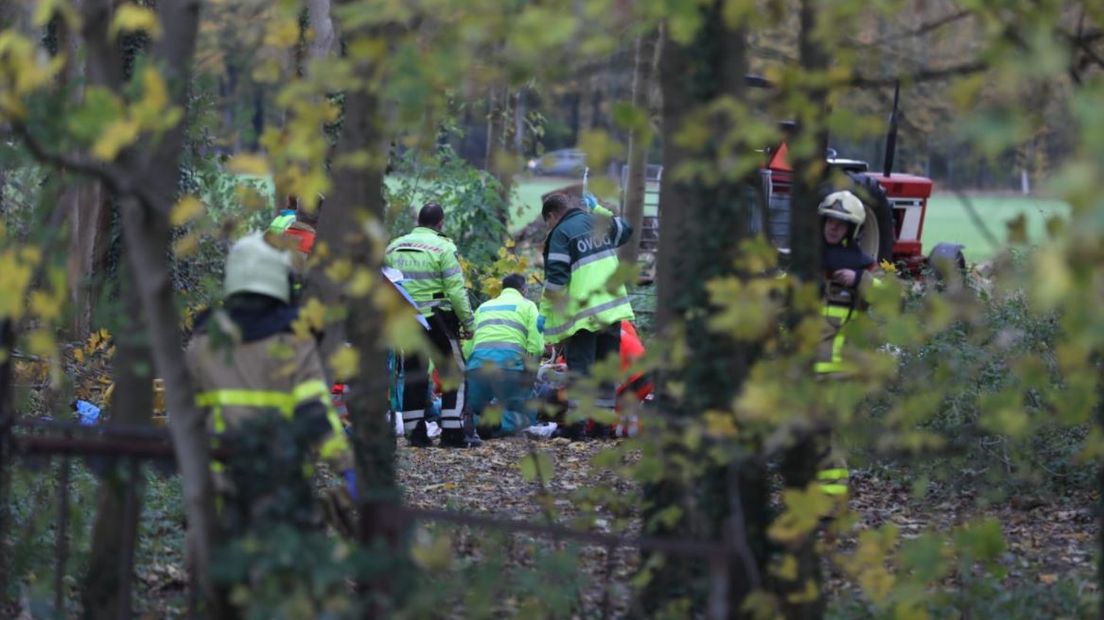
536 464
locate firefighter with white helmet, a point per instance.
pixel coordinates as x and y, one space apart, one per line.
848 277
250 367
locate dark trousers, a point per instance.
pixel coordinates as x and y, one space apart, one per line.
583 348
450 363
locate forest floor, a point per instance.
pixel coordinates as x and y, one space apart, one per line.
1048 561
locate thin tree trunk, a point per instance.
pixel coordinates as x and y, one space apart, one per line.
495 162
640 140
358 197
801 460
90 237
318 12
119 505
7 418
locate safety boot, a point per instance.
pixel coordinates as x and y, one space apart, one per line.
418 437
457 438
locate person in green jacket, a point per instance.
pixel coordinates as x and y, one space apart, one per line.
581 311
506 329
431 272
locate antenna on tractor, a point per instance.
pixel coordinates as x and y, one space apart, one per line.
891 134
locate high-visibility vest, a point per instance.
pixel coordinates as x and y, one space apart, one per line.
505 330
431 272
578 264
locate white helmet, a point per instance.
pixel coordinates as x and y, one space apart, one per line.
254 266
845 207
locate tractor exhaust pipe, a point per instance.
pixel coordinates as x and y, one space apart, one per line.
891 134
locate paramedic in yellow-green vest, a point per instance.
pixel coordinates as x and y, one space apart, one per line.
580 310
507 334
246 361
847 279
431 273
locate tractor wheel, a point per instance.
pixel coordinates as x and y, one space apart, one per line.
879 230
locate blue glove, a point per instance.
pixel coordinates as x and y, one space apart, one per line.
589 201
540 323
350 483
87 413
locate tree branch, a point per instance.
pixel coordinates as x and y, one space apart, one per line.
920 30
925 75
108 174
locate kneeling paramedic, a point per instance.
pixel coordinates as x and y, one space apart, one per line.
506 329
432 275
250 368
847 279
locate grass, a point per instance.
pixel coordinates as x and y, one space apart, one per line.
948 219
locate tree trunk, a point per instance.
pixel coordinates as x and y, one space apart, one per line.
519 124
691 253
801 460
318 13
90 238
640 139
358 198
115 533
496 160
7 418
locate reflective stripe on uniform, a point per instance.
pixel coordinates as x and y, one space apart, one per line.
261 399
503 322
315 388
837 473
836 312
499 346
600 308
553 287
430 275
586 260
833 481
557 257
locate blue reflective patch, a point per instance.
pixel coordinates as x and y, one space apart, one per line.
498 308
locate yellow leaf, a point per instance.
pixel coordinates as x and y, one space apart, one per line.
186 245
47 9
115 137
134 18
282 33
1048 578
186 210
152 111
360 284
41 342
45 306
345 363
78 355
432 553
249 164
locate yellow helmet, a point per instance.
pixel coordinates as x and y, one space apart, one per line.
845 207
254 266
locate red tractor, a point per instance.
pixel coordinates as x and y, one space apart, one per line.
895 207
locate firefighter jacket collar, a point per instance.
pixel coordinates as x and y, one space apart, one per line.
254 323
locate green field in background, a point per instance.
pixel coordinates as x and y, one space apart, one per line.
948 219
